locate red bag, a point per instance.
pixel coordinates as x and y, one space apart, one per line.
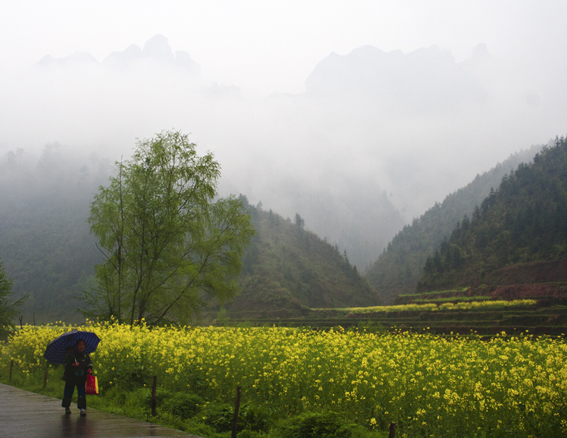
91 386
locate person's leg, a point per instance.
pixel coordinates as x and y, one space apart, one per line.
82 400
68 394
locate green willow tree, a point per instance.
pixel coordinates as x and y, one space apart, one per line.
169 246
8 309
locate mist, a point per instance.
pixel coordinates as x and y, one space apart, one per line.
374 138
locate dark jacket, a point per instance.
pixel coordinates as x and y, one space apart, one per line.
77 374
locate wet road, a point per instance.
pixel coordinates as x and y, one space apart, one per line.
24 414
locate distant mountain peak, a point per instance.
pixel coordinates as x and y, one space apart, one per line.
128 55
76 58
481 51
424 80
158 48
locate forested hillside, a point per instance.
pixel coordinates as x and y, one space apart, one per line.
400 267
287 267
524 220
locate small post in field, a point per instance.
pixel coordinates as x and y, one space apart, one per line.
22 322
154 386
11 367
236 409
392 433
45 377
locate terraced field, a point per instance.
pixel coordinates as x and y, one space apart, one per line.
460 311
546 293
548 321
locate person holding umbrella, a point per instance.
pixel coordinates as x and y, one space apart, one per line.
72 349
77 365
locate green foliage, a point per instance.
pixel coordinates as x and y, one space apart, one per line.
523 221
399 269
220 416
256 418
167 244
8 308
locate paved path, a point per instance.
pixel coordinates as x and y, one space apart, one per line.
25 414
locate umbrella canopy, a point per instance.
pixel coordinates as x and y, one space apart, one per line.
56 351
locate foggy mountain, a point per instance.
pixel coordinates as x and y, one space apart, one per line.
156 51
400 267
421 120
425 81
376 138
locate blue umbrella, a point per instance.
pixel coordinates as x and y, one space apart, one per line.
56 351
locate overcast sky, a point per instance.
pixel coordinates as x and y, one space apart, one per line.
272 46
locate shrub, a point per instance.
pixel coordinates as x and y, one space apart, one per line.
219 416
247 433
313 425
255 418
183 405
144 395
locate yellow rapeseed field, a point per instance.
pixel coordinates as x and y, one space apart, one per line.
429 385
